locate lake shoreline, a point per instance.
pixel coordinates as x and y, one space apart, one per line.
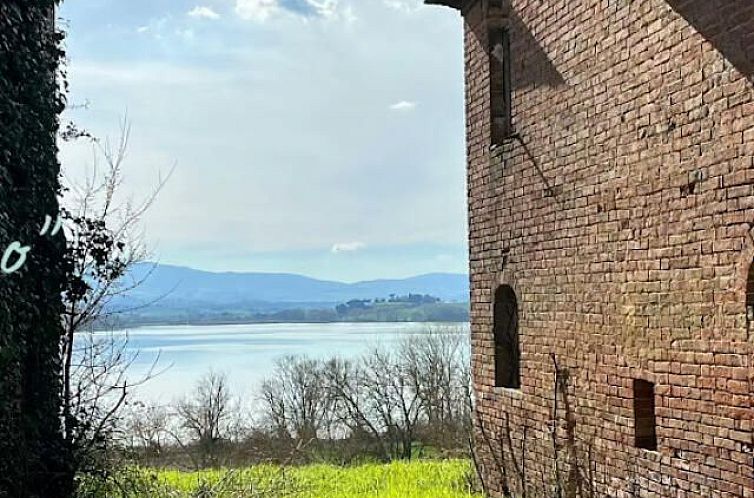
248 352
163 323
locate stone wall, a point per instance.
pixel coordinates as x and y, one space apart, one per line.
621 214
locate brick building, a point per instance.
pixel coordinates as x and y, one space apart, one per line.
611 211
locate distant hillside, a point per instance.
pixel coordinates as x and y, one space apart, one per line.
172 294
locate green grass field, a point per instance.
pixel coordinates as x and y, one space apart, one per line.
419 479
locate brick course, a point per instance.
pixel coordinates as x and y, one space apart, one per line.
622 217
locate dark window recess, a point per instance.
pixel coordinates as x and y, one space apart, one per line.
500 86
505 331
750 296
644 415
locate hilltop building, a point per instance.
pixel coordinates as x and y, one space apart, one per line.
611 207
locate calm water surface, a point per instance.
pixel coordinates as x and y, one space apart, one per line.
246 353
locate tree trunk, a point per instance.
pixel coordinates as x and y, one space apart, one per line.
34 460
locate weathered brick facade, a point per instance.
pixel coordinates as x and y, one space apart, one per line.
621 214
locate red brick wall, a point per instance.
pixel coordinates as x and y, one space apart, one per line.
622 219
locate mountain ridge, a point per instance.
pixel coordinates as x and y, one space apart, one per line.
166 282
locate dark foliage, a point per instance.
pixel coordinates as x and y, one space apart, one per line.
33 456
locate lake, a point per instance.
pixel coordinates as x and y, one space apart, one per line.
246 353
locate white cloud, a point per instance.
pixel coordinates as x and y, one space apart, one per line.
200 12
325 8
156 27
256 10
406 6
262 10
403 105
348 247
349 17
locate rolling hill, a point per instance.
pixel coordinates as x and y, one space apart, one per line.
175 294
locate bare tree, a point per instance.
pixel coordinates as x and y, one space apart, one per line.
414 391
438 360
147 427
393 397
208 416
104 241
105 234
346 381
384 404
295 400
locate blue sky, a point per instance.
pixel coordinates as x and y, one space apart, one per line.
322 137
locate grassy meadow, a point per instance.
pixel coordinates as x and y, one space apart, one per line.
418 479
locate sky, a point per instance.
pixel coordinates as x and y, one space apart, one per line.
321 137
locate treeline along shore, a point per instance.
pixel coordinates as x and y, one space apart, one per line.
410 308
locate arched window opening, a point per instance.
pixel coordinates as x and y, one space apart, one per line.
505 331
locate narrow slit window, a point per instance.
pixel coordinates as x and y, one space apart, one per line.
750 296
644 415
500 86
505 331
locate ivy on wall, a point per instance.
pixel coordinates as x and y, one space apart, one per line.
33 457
